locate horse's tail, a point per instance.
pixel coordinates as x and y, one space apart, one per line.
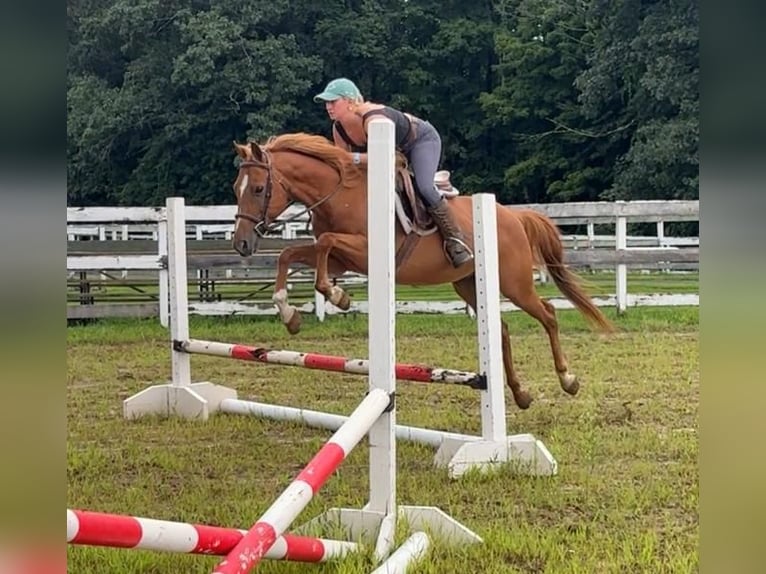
545 241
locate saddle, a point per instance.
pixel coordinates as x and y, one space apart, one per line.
411 212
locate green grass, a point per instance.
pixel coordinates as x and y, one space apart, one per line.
625 498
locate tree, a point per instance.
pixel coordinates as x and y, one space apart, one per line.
555 156
644 73
154 110
536 100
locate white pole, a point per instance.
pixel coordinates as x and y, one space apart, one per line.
286 508
333 422
179 297
661 241
380 222
488 316
413 549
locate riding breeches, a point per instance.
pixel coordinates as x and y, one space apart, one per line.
424 156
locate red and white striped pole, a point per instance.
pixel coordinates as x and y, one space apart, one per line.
254 545
119 531
404 372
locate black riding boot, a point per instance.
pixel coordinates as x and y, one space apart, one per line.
454 241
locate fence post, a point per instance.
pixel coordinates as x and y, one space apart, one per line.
162 251
621 236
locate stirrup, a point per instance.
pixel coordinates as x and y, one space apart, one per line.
463 257
460 242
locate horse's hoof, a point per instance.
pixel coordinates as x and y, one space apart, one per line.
570 384
339 298
523 400
294 324
345 302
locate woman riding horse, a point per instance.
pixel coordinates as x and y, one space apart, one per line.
311 170
417 139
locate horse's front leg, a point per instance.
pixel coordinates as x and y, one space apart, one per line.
289 314
338 248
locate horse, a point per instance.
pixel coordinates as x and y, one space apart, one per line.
310 170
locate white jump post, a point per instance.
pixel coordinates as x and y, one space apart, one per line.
181 397
527 454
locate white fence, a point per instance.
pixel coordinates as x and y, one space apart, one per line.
618 251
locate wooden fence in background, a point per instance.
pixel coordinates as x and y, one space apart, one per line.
117 257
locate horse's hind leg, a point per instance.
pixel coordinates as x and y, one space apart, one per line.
568 381
521 293
466 288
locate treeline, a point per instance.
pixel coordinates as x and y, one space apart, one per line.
536 100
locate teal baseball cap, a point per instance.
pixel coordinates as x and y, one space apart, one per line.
339 88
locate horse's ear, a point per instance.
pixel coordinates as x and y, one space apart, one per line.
240 149
255 149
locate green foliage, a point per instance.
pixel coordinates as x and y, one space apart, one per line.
535 100
644 77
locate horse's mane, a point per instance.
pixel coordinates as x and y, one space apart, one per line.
322 149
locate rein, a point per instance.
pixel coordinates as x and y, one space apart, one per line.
262 225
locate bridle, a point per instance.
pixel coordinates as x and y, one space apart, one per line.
262 226
262 223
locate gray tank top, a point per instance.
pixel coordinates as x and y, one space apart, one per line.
401 122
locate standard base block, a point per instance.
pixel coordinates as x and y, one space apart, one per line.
439 524
525 455
195 401
372 527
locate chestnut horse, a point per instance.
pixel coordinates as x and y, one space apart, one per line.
309 169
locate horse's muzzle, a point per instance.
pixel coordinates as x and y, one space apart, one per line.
246 247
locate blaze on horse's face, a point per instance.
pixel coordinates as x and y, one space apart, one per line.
252 188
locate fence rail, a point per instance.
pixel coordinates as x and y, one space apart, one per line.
131 241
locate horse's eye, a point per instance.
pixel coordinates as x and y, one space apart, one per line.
258 189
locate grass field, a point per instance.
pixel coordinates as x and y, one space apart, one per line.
625 498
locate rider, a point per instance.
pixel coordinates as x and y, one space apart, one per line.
417 139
